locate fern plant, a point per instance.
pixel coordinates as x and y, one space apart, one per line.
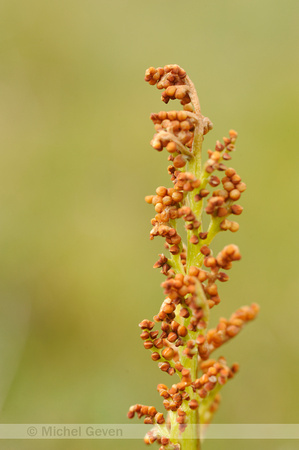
184 345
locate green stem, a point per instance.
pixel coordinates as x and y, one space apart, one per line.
174 430
190 438
195 168
176 263
213 230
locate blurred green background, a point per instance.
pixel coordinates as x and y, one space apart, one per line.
76 259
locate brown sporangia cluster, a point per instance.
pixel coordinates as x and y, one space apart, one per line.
172 78
178 337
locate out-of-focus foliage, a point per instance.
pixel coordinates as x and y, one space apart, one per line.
76 162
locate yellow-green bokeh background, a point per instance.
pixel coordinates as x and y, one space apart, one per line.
76 260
